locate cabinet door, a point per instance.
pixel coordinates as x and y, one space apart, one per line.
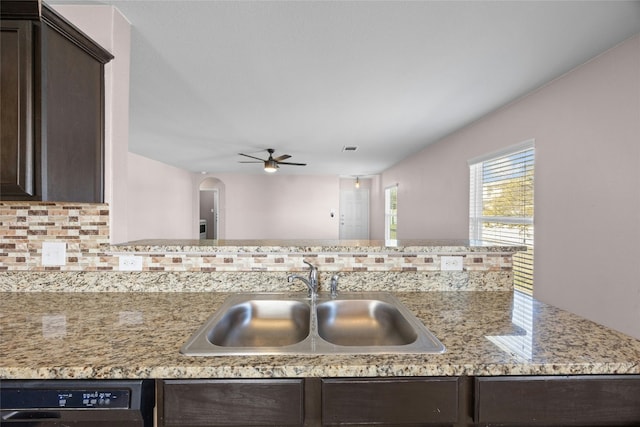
558 401
73 110
16 126
270 402
390 401
52 108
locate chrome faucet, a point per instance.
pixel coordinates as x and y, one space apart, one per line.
334 286
311 282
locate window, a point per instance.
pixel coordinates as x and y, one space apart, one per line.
391 213
501 205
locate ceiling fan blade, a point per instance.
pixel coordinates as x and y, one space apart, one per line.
283 157
250 161
251 157
292 164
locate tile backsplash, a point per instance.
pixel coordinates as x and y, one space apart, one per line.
24 226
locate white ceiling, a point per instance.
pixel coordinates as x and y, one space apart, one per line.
210 79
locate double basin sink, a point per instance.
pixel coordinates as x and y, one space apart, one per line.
353 323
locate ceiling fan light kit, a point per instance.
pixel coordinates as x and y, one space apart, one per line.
270 166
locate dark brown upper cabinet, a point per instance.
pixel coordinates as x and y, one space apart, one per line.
52 107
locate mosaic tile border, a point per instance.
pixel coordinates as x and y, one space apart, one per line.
28 258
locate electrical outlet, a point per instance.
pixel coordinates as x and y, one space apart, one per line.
451 263
130 263
54 253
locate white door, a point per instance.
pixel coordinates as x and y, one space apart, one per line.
354 214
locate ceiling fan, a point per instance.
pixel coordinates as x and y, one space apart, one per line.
272 164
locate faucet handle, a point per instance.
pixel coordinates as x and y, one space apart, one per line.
334 286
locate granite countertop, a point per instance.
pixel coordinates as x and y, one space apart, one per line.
306 246
139 334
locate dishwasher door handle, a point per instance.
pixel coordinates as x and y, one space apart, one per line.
29 415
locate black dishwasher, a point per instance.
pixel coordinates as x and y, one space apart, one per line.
77 403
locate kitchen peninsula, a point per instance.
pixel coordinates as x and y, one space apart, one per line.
489 337
139 334
90 320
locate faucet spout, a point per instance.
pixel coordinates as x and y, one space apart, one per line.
293 277
313 276
311 282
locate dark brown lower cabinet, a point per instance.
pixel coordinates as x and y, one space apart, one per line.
309 402
271 402
612 400
511 401
390 401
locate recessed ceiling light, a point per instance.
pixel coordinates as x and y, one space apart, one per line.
350 148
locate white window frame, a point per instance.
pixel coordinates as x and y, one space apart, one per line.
523 263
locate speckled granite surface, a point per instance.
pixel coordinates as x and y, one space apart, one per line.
267 281
138 335
305 246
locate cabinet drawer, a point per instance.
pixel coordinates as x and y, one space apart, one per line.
562 401
389 401
233 402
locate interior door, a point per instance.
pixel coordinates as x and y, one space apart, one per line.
209 211
354 214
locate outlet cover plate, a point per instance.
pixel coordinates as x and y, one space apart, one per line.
54 253
451 263
130 263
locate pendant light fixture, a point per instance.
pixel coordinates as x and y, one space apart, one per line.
357 182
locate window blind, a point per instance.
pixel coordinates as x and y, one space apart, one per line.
501 205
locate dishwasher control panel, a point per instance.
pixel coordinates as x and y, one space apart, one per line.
34 398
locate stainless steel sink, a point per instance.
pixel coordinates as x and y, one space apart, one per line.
363 323
354 323
262 323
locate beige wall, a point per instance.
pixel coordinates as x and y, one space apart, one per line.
586 127
160 203
277 206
